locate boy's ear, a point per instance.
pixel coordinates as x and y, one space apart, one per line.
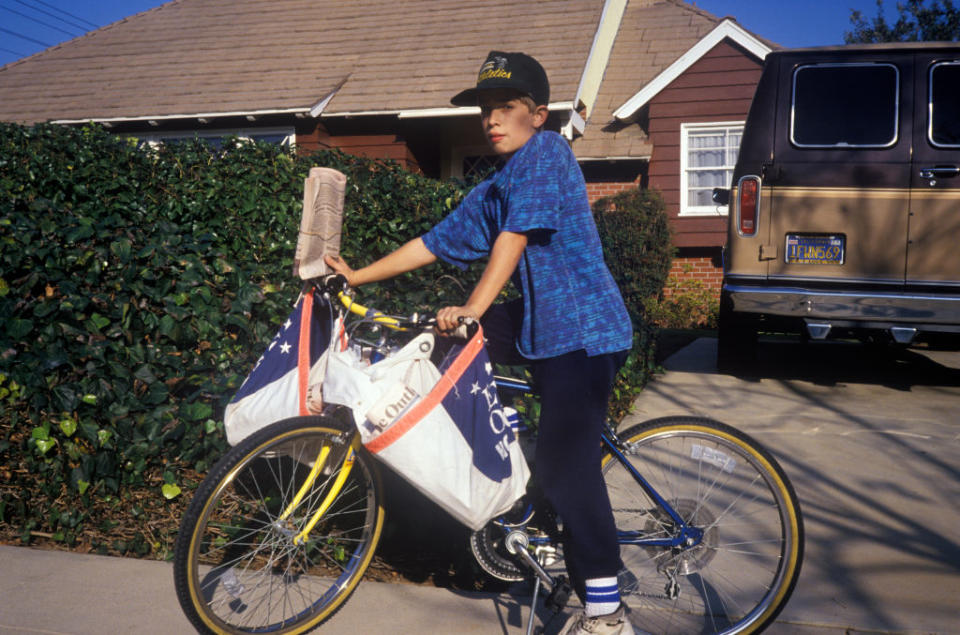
540 116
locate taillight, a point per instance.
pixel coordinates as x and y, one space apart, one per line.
748 199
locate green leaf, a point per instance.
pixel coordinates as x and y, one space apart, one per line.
170 490
96 323
17 328
145 374
196 411
68 426
82 486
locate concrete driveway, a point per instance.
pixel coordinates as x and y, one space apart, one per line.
871 441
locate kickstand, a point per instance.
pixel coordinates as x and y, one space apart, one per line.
533 605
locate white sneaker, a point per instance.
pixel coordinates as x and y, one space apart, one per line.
615 623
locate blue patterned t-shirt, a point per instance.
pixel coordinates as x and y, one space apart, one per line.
570 300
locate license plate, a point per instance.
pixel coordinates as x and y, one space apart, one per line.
805 249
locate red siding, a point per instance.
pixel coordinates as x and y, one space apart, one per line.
718 87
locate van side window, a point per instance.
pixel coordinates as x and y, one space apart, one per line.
944 128
845 105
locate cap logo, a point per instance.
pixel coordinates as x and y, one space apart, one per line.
494 67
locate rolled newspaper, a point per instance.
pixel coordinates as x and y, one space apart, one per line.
320 225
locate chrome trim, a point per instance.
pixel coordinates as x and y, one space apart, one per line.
793 107
916 308
903 334
930 138
848 281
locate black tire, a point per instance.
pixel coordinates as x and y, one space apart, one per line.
736 341
239 566
740 574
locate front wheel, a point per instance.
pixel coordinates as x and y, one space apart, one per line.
280 532
740 565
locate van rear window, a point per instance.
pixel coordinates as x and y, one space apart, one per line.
845 105
945 104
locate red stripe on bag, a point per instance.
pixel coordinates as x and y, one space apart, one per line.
422 408
303 351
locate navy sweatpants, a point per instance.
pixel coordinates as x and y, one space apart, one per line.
574 391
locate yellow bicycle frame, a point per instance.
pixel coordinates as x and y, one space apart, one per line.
345 468
349 458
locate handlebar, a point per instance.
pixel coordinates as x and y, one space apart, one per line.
336 285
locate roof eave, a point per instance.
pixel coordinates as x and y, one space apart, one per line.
250 114
726 29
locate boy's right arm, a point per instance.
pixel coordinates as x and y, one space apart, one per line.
410 256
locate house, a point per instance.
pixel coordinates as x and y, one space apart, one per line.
648 92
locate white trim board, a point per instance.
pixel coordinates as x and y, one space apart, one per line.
726 29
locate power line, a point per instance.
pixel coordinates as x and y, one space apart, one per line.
41 22
59 10
17 53
24 37
82 28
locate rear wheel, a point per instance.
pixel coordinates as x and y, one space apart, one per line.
280 532
743 560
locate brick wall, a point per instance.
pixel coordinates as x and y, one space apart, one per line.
599 190
704 265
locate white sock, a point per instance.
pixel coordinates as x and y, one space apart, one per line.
603 596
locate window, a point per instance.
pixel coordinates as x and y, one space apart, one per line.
944 128
708 154
469 162
845 105
476 167
282 136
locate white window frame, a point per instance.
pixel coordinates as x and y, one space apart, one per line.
685 129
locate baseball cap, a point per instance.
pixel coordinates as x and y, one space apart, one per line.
508 70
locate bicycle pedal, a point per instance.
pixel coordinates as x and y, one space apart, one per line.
559 595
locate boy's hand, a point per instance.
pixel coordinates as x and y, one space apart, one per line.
448 318
339 266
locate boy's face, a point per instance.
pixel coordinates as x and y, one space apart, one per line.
507 121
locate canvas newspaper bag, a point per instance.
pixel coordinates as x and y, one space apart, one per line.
442 429
279 385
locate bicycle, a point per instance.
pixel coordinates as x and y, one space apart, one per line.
280 532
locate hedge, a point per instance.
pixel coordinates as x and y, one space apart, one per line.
138 286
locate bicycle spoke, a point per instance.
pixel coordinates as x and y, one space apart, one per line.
729 578
259 578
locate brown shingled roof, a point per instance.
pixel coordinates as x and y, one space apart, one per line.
653 34
190 57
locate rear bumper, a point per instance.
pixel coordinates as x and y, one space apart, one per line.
921 310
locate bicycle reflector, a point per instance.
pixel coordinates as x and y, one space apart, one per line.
748 199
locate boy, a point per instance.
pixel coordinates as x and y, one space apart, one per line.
532 218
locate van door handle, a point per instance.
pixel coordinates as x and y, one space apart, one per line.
939 172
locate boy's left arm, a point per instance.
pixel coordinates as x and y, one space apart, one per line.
506 252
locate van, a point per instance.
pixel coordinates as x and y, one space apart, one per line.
845 202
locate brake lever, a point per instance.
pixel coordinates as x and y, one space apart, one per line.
467 329
334 283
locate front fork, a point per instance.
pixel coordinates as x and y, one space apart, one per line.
323 456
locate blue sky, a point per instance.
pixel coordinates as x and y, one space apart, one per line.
30 26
